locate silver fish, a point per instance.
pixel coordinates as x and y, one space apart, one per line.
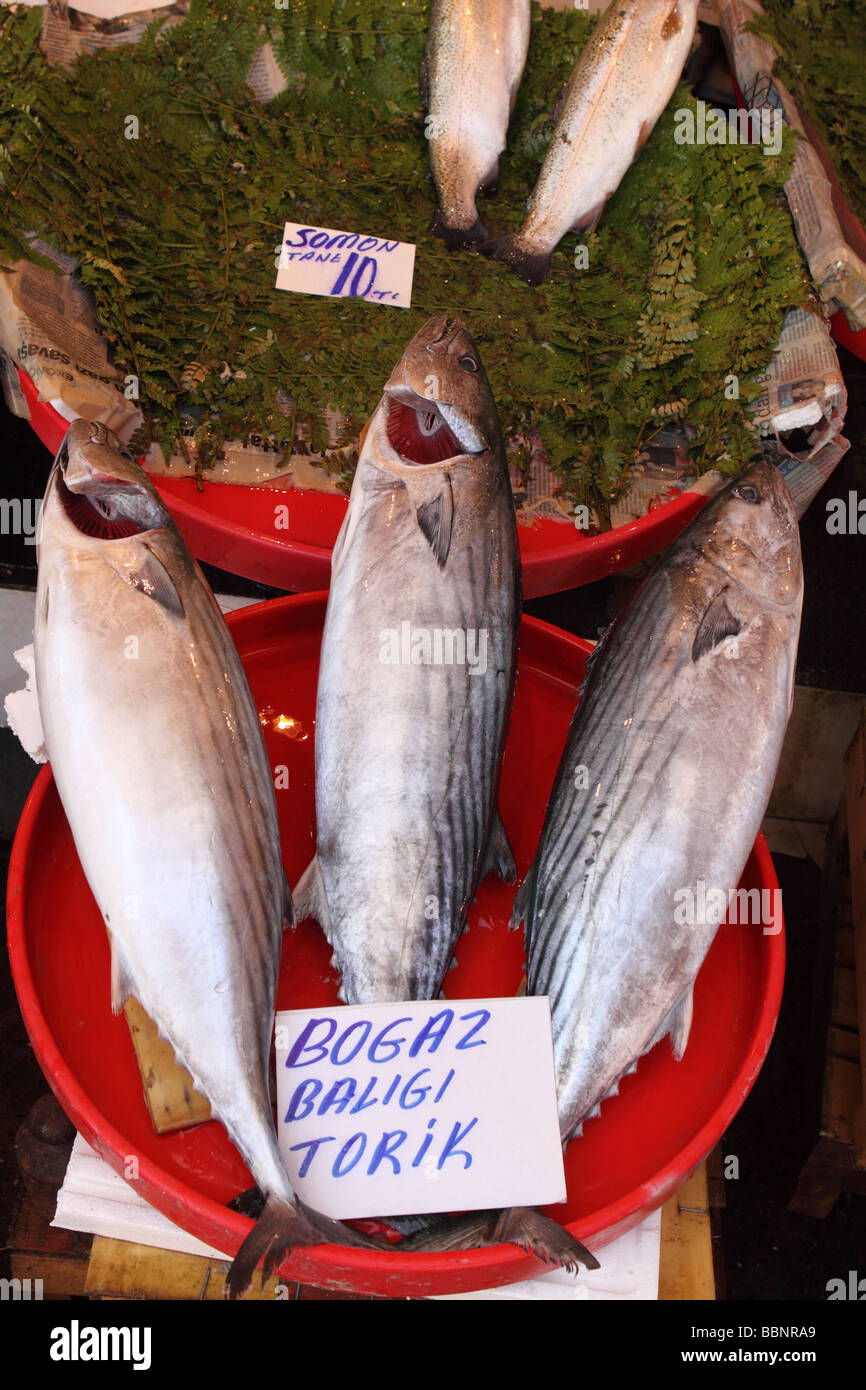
416 678
622 82
476 53
680 729
664 781
158 757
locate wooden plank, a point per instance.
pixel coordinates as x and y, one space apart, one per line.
172 1100
686 1262
845 998
122 1269
38 1250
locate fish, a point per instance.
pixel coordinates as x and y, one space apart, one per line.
623 80
416 679
476 53
159 761
680 728
409 746
663 783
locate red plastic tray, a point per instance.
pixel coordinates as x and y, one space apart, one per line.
664 1121
233 528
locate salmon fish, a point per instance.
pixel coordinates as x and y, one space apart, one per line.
622 82
476 54
416 678
158 757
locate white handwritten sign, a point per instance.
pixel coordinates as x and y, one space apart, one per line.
389 1109
320 260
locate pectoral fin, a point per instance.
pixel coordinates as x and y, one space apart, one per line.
151 577
433 500
717 623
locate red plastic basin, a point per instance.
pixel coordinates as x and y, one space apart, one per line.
233 528
664 1121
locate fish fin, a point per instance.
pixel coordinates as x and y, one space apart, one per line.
153 579
489 185
642 136
436 518
532 266
588 221
310 898
282 1226
458 238
717 623
559 104
679 1024
673 24
521 903
288 904
498 857
523 1226
121 982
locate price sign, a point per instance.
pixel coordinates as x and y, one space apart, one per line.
341 265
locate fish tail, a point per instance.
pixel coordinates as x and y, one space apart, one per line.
456 238
523 1226
532 266
282 1226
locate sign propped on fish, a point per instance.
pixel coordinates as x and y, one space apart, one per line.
623 80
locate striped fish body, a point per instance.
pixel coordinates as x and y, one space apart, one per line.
666 775
623 80
158 758
476 53
415 686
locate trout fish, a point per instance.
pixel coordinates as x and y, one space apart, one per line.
416 678
158 757
666 774
476 53
622 82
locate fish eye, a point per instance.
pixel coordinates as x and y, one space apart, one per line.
468 362
747 492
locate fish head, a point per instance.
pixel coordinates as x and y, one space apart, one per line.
438 401
751 532
96 490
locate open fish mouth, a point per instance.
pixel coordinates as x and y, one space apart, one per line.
95 515
423 431
101 505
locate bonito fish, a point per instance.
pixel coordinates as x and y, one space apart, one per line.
415 688
416 678
157 754
664 781
622 82
476 53
680 729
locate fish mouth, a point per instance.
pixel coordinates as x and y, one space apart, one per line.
100 505
422 431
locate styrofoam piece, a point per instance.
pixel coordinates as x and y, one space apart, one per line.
96 1200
